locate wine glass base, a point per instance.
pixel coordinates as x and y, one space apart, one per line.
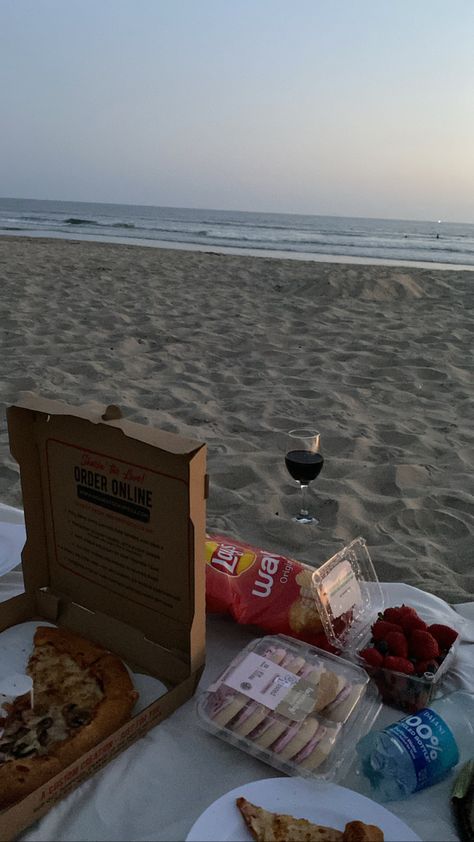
305 519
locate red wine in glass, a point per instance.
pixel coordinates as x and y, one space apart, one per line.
304 463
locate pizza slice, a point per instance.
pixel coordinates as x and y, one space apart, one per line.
278 827
266 826
81 694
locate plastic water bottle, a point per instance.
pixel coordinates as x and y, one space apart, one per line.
418 750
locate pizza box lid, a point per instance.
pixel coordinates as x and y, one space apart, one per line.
115 518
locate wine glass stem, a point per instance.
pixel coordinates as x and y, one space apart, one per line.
304 510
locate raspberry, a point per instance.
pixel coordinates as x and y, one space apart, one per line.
425 666
399 664
381 628
445 635
397 644
423 645
372 656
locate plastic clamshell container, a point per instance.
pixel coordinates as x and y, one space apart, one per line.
349 598
296 707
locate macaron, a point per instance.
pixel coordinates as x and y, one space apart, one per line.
341 708
313 755
329 686
296 738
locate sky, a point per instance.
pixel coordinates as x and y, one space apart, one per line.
344 107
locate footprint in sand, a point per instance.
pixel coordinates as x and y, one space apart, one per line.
430 521
237 477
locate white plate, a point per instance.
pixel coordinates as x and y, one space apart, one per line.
12 540
320 802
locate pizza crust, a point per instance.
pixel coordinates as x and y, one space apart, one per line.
66 642
360 832
107 687
22 777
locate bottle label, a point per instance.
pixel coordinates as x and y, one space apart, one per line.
430 744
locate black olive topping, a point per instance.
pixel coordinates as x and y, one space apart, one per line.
42 737
22 750
21 732
78 717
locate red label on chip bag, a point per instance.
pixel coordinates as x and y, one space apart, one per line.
262 588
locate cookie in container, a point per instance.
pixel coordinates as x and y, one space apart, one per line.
292 705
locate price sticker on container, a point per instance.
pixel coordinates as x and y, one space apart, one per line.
273 686
261 680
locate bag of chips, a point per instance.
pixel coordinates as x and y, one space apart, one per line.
261 588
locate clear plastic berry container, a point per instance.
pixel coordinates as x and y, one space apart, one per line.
350 600
296 707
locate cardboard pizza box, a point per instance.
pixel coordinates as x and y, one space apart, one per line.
115 525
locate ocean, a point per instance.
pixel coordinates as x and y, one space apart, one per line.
278 234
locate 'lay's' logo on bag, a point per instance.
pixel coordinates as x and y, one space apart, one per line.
226 558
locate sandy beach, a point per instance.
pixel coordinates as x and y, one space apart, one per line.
236 350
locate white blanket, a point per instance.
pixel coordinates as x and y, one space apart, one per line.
158 787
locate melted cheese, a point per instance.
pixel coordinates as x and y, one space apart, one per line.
58 678
59 684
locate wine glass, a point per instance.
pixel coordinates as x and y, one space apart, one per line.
304 463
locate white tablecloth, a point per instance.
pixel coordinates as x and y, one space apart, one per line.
158 787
